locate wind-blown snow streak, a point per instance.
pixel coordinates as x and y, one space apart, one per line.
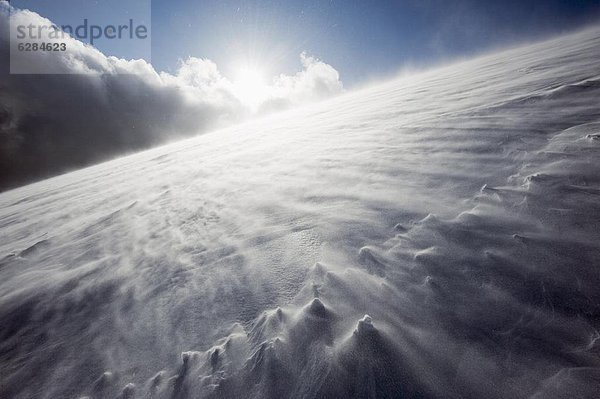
434 236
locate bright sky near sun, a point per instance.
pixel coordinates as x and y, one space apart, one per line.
250 84
252 40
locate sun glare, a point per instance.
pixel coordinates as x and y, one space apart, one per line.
250 85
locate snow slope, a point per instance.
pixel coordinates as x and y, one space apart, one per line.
436 236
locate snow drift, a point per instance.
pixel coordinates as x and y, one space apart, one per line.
431 237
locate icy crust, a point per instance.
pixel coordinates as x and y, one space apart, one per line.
446 246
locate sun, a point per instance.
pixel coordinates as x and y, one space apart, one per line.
249 85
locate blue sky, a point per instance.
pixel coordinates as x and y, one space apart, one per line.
363 39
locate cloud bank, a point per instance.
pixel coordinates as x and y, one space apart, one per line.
95 107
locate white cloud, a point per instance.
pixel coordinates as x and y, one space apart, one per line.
316 81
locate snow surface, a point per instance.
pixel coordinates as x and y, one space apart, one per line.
436 236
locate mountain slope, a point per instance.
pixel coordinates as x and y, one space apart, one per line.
432 236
